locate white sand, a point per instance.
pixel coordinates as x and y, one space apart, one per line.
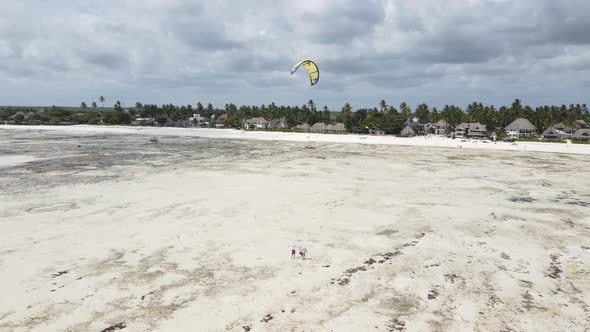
194 234
15 160
433 141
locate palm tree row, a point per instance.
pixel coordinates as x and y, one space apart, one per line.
389 118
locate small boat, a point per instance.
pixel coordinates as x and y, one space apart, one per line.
154 139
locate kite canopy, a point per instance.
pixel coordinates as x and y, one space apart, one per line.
312 69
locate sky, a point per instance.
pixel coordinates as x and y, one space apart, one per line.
63 52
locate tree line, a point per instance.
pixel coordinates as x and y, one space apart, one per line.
389 118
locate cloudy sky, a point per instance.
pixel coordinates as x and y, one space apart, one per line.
179 51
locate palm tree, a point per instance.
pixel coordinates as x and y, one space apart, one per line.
101 99
83 105
311 105
326 114
383 105
93 104
405 110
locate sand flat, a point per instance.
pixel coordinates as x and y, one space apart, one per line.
236 134
105 229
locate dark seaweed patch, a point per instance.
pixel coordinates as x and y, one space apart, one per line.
60 273
452 277
118 326
555 270
433 294
396 325
388 232
267 318
522 199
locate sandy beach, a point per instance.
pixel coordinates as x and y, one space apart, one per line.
431 141
102 230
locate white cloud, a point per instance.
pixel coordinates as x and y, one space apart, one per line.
163 51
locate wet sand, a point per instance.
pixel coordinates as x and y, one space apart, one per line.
107 231
236 134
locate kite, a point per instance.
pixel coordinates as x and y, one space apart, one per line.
312 69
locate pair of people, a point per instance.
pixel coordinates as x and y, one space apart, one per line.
302 251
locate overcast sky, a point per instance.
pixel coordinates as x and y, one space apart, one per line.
179 51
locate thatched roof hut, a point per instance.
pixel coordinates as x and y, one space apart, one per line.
521 124
304 126
552 133
339 128
408 132
582 135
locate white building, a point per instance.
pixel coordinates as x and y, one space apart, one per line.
256 123
521 128
199 121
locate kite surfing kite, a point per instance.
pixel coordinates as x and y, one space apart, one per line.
312 69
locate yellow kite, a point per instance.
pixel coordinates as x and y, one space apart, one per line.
312 69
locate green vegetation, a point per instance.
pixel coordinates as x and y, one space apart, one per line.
537 140
389 118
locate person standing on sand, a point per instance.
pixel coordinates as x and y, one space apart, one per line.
302 252
293 251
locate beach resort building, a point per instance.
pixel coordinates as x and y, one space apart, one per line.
408 132
17 115
279 123
460 131
199 121
143 122
441 128
221 121
321 127
256 123
471 130
303 126
553 133
339 128
521 128
582 135
376 131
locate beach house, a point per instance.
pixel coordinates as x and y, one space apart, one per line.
408 132
441 128
320 127
582 135
460 131
376 131
553 133
221 121
279 123
471 130
199 121
256 123
521 128
476 130
338 128
303 126
143 122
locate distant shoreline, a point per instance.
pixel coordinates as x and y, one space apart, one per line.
431 141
